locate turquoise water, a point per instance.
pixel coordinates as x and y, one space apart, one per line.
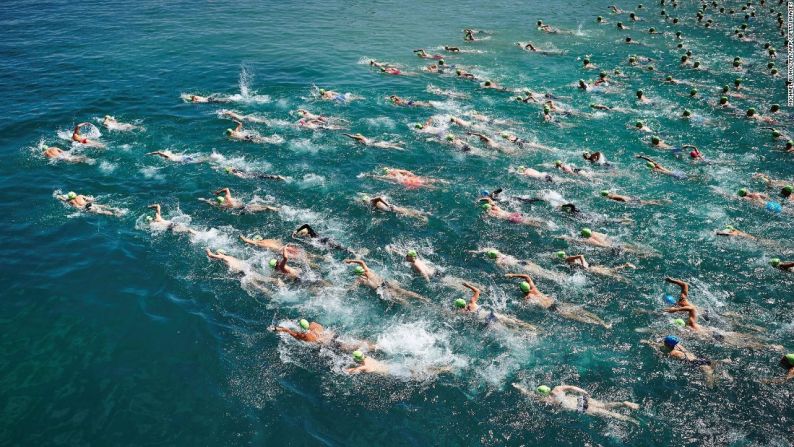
114 334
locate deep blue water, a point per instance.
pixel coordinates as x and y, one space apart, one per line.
114 334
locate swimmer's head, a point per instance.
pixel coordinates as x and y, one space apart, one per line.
737 82
450 137
411 255
668 78
359 270
742 192
776 133
694 154
540 22
558 163
487 83
585 61
493 254
632 60
419 126
787 361
257 237
460 303
385 171
586 154
639 125
546 110
586 232
505 135
687 113
723 100
599 19
774 262
71 195
272 263
485 206
628 39
358 356
751 111
322 91
582 83
655 140
228 169
652 30
774 108
639 93
604 193
650 165
787 190
696 64
220 199
693 92
229 131
525 287
458 72
441 62
560 254
671 341
543 390
725 88
304 324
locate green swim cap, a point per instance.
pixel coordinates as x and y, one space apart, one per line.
493 254
730 227
750 111
679 322
687 112
505 134
725 88
359 270
742 192
272 263
358 356
789 358
419 126
774 262
149 218
322 91
632 59
650 165
776 133
544 390
411 254
586 232
257 237
220 199
546 109
71 195
604 193
525 287
557 162
693 92
668 78
788 189
385 170
229 131
737 81
723 99
603 74
450 137
639 124
655 140
485 206
304 324
228 169
560 254
460 303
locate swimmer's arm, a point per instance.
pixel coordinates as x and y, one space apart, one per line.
572 388
575 258
476 291
358 262
790 374
684 286
212 255
239 126
785 265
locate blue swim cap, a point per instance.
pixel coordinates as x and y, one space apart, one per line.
669 299
774 207
485 192
671 341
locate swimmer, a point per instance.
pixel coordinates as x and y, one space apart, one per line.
228 202
616 10
58 154
282 268
683 304
786 266
419 266
533 174
374 143
657 143
571 169
656 167
731 231
611 272
751 114
406 178
396 100
492 209
231 114
588 65
461 73
379 203
177 158
642 98
757 198
579 402
241 135
315 333
489 316
158 223
535 297
78 138
451 49
770 182
528 46
595 239
489 142
330 95
547 28
695 153
596 158
391 289
468 35
366 364
507 263
248 175
242 269
204 99
88 204
522 143
270 244
626 199
110 123
424 55
385 68
672 347
488 84
787 362
305 231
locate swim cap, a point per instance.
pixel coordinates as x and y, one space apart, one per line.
679 322
560 254
652 30
272 263
525 287
693 92
604 193
787 190
487 83
599 18
558 163
736 63
228 169
229 131
546 110
639 124
669 299
668 78
723 99
775 133
650 165
518 98
411 254
586 232
602 75
544 390
359 270
650 68
460 303
694 154
789 144
521 168
441 62
789 358
670 341
358 356
774 262
773 71
730 227
655 140
505 134
628 39
750 111
684 58
725 88
220 199
485 206
632 59
450 137
257 237
774 207
149 218
585 61
419 126
493 254
696 64
737 81
385 170
742 192
687 113
322 91
72 195
304 324
639 93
